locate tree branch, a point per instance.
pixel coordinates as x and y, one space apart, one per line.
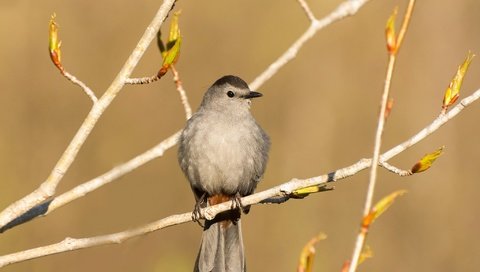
345 9
48 187
83 189
70 244
395 170
82 85
182 93
90 186
307 10
393 51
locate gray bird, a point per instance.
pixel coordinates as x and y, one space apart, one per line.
223 152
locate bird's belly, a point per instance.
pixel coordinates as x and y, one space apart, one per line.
224 164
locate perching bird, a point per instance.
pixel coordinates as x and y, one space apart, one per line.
223 152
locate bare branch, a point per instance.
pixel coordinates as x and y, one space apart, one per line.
378 136
48 187
307 10
54 45
182 92
89 186
345 9
360 241
434 126
406 21
395 170
70 244
82 85
142 80
115 173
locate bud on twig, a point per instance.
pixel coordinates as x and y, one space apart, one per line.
390 32
453 91
54 44
426 162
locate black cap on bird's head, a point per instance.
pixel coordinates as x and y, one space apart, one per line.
231 80
236 82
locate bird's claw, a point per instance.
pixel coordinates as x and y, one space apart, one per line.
197 214
237 204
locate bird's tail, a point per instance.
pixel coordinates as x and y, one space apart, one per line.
222 248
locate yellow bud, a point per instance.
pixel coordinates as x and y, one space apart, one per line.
426 162
453 91
390 32
54 43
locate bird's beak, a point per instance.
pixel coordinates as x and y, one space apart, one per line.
252 95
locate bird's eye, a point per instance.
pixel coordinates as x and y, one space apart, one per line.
230 94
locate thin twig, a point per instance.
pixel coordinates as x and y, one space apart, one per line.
431 128
345 9
48 187
378 136
70 244
182 92
406 21
82 85
54 45
141 80
87 187
373 170
361 237
280 190
395 170
307 10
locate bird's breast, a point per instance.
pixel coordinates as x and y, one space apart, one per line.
224 156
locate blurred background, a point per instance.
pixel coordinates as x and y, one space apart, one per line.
320 111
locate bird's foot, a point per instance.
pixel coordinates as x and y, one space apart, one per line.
237 204
196 214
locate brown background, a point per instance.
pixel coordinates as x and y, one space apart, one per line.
319 110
